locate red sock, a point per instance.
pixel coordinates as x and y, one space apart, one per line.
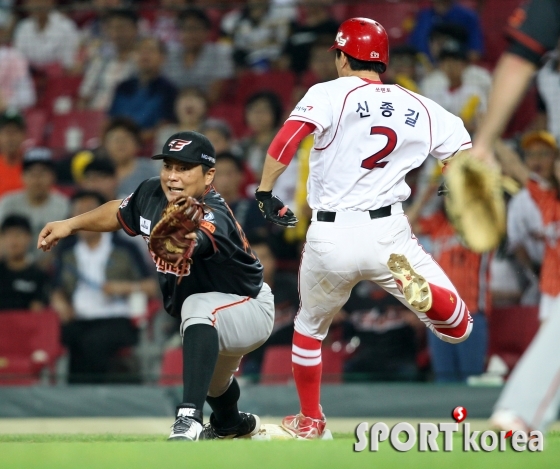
449 313
307 367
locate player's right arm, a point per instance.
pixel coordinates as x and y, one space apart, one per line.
101 219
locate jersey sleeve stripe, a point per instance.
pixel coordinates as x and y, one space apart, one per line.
129 231
525 40
307 119
287 144
340 117
428 112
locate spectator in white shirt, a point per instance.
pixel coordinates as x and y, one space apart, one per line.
17 91
47 37
461 99
105 72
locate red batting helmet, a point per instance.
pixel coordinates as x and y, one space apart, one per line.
363 39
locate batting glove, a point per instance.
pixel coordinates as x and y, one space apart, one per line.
274 210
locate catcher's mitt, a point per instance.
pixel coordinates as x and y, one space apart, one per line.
167 239
475 203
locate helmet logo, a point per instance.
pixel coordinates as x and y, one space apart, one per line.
374 55
340 40
178 144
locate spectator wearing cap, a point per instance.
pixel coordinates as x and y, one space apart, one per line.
524 220
403 67
37 200
148 98
12 136
461 99
47 36
17 90
191 108
199 62
447 11
316 25
122 144
23 285
100 175
475 75
105 72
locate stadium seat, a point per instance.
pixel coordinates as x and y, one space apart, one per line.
277 365
172 367
233 114
61 93
29 343
511 329
35 121
393 16
75 130
280 82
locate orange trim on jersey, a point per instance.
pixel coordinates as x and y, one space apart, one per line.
428 112
373 82
209 226
525 40
125 227
244 300
340 117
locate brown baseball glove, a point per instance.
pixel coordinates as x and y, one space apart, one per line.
167 240
475 202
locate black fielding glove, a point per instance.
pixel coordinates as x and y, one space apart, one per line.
274 210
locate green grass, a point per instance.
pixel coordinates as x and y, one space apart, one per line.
152 451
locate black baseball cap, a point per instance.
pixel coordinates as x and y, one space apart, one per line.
190 147
12 118
38 155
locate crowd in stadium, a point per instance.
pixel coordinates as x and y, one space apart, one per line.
89 90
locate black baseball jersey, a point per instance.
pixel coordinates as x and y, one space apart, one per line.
534 29
222 262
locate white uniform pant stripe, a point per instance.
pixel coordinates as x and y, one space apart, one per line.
458 308
456 322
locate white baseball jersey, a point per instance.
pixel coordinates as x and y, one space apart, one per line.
368 136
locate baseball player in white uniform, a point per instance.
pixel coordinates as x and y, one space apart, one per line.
367 137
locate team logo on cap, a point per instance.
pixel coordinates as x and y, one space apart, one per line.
178 144
341 41
374 55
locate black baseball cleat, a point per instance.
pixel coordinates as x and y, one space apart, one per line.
186 426
250 425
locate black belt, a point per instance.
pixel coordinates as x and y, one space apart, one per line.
379 213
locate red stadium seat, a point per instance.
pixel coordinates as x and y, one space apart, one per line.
280 82
511 329
29 342
172 367
61 93
233 114
75 130
35 121
277 365
393 16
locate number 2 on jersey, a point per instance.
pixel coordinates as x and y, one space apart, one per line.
373 160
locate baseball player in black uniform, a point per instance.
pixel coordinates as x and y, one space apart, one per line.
226 308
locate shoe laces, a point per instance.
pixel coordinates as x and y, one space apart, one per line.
182 424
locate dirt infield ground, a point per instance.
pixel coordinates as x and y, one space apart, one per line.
154 426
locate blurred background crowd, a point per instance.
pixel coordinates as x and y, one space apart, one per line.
90 89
